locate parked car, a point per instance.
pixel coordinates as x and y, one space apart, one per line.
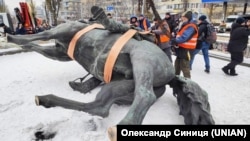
231 19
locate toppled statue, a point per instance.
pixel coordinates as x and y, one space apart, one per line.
138 78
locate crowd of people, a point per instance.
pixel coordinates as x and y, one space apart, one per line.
186 37
173 36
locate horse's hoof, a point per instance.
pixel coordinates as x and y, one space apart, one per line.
112 133
98 13
37 101
75 85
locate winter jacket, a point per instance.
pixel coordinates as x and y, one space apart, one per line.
144 24
183 53
21 31
192 41
171 23
202 32
162 34
238 38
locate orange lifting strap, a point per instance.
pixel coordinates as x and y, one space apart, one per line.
114 52
73 41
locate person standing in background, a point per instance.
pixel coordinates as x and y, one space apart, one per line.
202 45
163 35
20 29
109 15
134 21
6 29
144 23
170 21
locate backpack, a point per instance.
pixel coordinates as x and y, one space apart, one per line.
211 35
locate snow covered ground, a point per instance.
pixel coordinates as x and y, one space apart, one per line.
25 75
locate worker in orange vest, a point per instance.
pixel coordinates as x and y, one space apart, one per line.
144 23
162 32
186 40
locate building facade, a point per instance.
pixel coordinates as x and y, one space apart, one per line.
74 9
71 9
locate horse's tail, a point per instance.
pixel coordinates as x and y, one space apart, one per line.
192 101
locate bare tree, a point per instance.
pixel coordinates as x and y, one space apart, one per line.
148 4
152 5
233 9
47 13
54 7
211 8
87 7
121 9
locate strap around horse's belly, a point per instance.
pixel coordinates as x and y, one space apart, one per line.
114 52
73 41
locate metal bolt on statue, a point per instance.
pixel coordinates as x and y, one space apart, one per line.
136 75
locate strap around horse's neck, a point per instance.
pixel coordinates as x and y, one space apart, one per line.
73 41
114 52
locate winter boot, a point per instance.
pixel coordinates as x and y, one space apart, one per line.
232 72
225 70
111 25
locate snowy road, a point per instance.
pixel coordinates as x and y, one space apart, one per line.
25 75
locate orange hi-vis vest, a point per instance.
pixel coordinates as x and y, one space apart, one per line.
190 44
144 23
163 37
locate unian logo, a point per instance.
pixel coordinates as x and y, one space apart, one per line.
229 132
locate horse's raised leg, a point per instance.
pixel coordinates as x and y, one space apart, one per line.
24 39
63 31
51 52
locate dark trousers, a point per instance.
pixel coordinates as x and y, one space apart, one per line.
168 52
182 65
236 58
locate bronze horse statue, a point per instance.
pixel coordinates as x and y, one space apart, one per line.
139 76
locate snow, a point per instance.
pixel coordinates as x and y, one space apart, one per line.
25 75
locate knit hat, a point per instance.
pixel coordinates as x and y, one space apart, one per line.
240 20
202 18
187 14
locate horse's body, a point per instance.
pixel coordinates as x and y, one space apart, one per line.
139 76
141 61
